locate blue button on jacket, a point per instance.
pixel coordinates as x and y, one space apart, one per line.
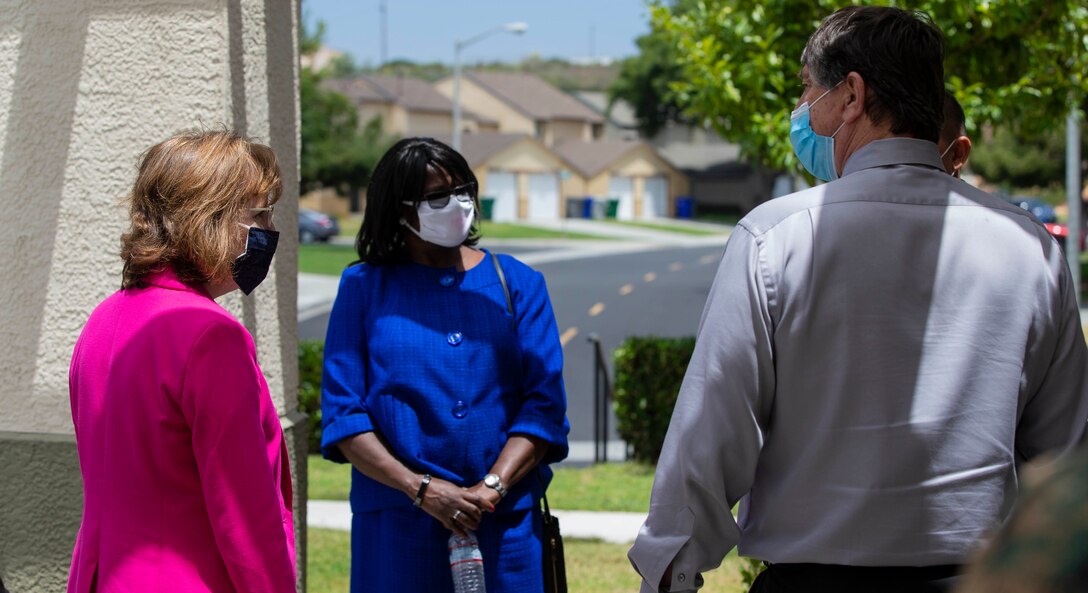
389 367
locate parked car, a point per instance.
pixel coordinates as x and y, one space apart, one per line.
1061 233
316 226
1046 215
1043 211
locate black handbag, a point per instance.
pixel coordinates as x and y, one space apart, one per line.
555 567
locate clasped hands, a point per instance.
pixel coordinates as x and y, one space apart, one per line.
459 509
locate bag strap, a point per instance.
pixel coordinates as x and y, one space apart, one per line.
505 287
544 494
510 310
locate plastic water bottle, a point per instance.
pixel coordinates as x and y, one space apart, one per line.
466 564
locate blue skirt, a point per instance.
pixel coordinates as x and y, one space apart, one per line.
405 549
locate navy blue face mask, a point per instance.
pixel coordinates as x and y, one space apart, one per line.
250 268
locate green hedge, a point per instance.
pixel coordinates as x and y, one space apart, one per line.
310 354
649 371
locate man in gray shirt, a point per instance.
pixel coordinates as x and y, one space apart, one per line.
877 355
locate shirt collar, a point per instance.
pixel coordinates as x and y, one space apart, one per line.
894 151
167 278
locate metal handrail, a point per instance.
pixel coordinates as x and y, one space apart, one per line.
602 396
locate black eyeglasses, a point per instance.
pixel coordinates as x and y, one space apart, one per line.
439 199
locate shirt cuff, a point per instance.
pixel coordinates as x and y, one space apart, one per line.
340 429
542 428
654 551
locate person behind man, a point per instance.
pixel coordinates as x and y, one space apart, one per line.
877 354
953 143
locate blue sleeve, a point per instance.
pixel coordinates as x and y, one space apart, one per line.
544 411
344 379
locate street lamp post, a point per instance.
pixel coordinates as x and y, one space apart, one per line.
516 27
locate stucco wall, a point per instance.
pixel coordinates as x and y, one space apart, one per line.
85 87
429 124
526 156
560 130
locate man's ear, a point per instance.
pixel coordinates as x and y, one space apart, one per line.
854 101
961 151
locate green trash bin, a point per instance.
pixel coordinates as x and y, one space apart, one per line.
613 208
487 207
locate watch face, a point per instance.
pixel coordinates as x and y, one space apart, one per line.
491 480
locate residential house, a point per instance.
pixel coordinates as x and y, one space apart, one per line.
719 181
519 177
407 106
525 104
620 122
632 173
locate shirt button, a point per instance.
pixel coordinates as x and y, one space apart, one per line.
460 410
454 338
446 281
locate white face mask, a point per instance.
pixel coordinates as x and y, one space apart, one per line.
447 226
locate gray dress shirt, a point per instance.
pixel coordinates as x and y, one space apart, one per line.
876 357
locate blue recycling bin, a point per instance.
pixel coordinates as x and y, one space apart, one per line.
685 207
587 207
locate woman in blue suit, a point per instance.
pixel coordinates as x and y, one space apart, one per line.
443 394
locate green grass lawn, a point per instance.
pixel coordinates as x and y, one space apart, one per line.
349 225
683 230
322 258
503 230
592 566
604 487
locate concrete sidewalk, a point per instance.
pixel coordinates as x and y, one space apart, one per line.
619 528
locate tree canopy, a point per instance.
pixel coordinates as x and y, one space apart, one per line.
736 63
335 150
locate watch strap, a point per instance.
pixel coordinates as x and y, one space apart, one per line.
418 502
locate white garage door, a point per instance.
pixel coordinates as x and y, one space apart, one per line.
543 196
622 189
655 197
503 187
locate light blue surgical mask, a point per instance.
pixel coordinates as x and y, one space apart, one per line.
816 152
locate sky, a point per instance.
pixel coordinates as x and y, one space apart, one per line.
426 30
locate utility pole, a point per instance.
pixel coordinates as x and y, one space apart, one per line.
383 33
1072 194
517 28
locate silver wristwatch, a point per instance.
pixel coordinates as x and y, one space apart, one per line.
494 482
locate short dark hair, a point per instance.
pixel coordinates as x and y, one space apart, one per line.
899 55
954 119
400 176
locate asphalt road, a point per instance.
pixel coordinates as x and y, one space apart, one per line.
660 292
657 292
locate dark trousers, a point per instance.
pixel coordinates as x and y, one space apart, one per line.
831 578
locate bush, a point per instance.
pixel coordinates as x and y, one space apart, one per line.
649 371
310 355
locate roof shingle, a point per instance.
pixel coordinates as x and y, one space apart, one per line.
534 97
413 94
590 158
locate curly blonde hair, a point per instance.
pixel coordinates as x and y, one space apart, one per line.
190 192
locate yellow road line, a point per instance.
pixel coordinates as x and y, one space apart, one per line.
568 335
708 259
595 310
627 289
649 277
676 267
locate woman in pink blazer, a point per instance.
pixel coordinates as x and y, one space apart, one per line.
185 472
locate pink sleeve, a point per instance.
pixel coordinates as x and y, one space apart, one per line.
238 462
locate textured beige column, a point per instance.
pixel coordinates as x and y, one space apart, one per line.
85 87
